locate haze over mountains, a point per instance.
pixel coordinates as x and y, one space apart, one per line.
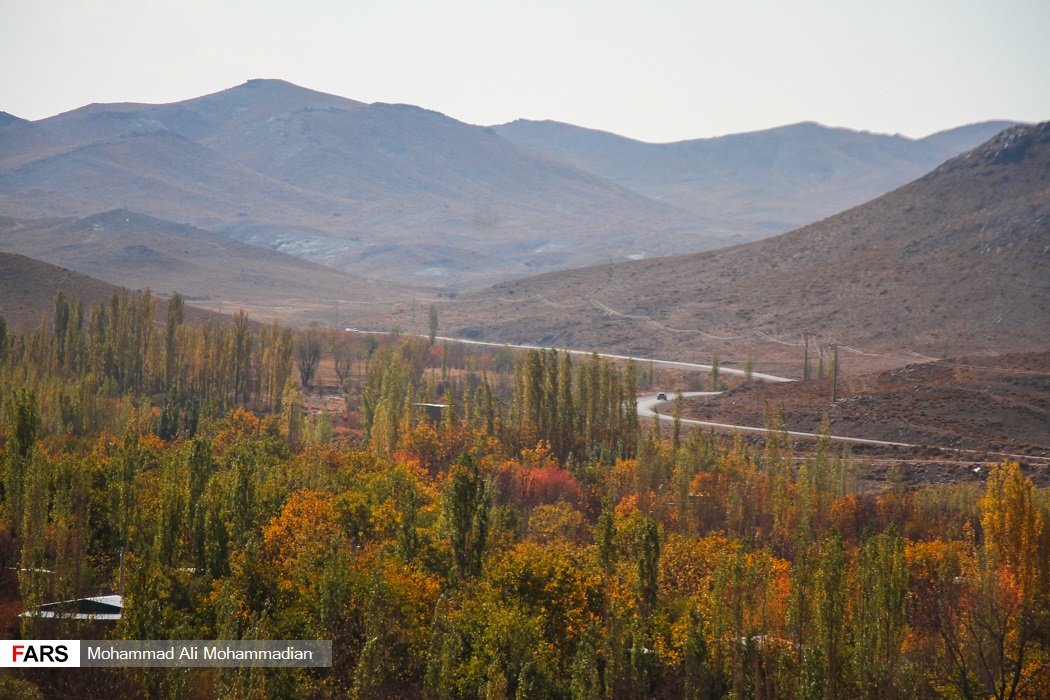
403 193
768 181
953 262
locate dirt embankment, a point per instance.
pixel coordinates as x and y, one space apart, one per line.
985 404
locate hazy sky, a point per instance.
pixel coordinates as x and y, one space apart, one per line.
659 70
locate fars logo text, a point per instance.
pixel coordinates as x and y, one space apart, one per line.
24 653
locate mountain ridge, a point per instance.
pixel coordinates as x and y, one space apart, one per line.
351 180
778 165
953 262
396 191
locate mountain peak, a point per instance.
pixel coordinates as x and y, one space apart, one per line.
1012 144
268 82
9 119
274 91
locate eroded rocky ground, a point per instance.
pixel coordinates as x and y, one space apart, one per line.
966 411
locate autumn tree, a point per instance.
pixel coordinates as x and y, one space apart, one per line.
1012 525
466 512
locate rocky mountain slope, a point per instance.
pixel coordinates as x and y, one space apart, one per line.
395 191
954 262
385 189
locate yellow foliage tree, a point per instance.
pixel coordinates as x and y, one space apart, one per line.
1012 524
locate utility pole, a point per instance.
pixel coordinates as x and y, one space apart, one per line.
835 371
805 360
820 370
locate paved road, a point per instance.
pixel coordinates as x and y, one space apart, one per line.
647 403
657 363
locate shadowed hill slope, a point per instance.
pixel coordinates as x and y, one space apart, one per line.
28 289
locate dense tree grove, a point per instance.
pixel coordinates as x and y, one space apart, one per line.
530 541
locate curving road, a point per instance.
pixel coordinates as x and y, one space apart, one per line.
656 363
648 404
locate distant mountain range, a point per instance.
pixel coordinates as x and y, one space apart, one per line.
955 262
772 181
402 193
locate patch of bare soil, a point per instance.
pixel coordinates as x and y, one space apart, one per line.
967 410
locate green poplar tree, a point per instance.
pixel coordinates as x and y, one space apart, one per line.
830 615
648 565
881 615
200 465
676 420
466 511
34 578
23 430
433 323
172 327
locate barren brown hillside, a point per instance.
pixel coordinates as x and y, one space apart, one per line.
392 191
400 192
979 402
210 270
28 288
953 263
